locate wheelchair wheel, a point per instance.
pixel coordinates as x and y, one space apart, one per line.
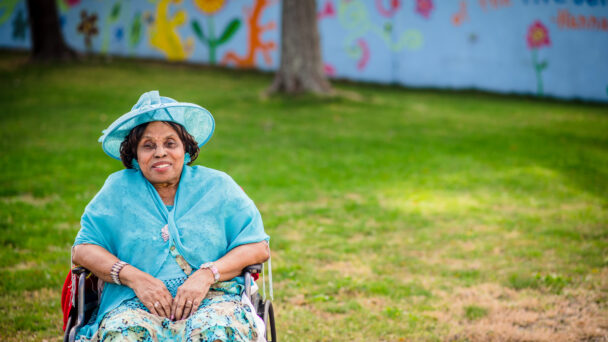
271 331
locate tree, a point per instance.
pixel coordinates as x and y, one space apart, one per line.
301 66
47 40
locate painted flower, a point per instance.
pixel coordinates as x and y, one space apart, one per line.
88 27
538 35
210 7
71 3
424 7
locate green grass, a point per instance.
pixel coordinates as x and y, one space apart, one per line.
381 202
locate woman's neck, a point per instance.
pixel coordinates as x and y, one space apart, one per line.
166 191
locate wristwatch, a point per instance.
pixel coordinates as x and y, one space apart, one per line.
213 269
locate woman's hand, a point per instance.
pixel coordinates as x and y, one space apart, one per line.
151 292
191 294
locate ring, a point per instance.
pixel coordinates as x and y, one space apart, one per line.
157 304
189 303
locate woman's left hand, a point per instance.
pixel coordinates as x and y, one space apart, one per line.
191 294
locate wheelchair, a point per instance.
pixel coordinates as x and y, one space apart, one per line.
85 299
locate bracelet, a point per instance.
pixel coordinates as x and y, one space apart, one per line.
116 268
213 269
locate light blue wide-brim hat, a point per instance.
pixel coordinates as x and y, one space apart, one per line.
153 107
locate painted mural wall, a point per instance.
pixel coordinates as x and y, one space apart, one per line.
553 48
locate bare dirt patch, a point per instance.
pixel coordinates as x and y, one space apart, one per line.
527 315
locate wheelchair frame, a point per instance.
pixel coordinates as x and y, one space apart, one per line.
82 307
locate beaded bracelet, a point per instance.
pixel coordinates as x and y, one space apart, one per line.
116 268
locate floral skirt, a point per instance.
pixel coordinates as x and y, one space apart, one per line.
222 316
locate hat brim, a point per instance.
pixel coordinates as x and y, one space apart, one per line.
195 119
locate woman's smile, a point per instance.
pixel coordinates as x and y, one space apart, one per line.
161 166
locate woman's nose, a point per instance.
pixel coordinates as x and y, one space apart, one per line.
160 152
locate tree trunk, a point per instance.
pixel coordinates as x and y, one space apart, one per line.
301 68
47 40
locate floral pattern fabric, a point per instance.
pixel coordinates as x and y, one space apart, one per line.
221 316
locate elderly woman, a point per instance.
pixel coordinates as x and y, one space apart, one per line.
168 239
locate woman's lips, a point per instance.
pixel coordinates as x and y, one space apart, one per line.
162 166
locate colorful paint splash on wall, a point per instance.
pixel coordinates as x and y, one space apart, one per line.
328 11
538 37
20 26
6 8
88 28
495 4
163 32
462 15
135 32
393 7
424 8
65 5
353 16
364 54
210 7
254 39
111 19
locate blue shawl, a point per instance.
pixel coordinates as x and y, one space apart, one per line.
211 216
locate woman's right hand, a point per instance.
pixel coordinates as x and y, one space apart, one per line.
151 292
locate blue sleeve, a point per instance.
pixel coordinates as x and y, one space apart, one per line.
243 221
97 214
90 233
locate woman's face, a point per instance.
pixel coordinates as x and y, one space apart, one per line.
160 154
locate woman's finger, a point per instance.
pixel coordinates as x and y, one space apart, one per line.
164 309
195 304
187 308
173 308
152 308
179 308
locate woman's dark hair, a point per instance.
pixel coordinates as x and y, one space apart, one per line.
128 147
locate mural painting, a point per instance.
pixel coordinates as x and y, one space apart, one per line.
88 28
163 32
327 12
255 41
495 45
494 4
354 17
567 20
424 8
135 32
7 7
209 8
110 21
20 26
462 15
390 10
538 37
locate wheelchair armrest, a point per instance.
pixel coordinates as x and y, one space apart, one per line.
247 272
78 270
253 269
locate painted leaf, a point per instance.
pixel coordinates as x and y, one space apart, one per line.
196 27
543 65
115 12
135 32
230 30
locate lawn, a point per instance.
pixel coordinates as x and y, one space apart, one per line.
394 214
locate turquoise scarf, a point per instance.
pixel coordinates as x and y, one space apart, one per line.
211 216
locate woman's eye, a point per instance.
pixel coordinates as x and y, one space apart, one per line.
171 144
148 146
